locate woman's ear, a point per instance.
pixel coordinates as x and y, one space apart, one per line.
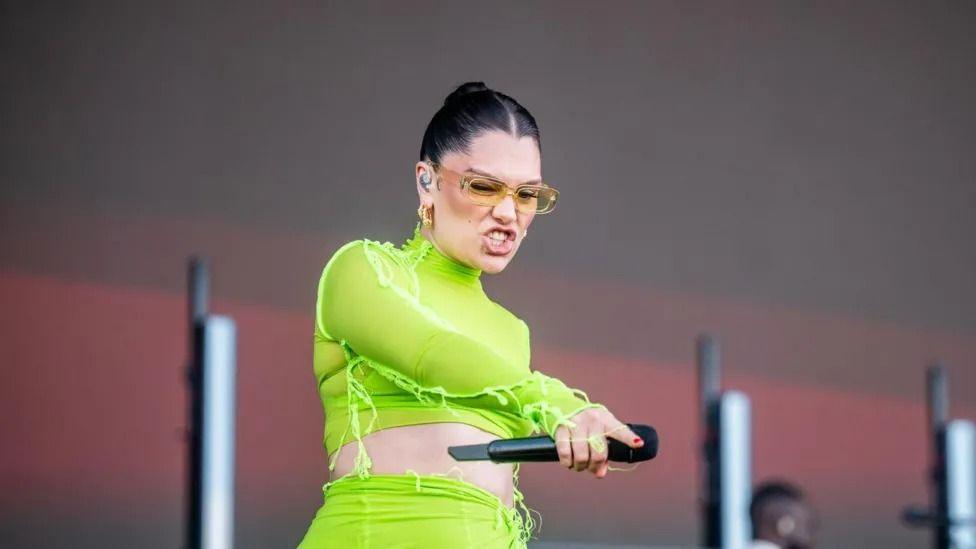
424 177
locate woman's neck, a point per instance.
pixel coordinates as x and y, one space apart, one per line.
429 235
457 267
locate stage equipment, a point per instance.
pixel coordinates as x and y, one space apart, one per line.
952 472
726 471
211 380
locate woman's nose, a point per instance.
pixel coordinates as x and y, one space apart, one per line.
504 211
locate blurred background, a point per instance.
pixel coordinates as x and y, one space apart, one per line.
795 178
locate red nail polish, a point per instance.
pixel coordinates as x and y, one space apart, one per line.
637 439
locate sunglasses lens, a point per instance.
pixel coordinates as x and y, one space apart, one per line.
528 198
536 198
486 190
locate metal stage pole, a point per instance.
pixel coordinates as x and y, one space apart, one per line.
937 399
212 386
726 478
959 439
709 389
951 512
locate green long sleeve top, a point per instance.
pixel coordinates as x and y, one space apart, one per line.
406 335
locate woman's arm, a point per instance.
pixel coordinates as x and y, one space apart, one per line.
367 301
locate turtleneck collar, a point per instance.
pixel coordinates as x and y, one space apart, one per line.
423 252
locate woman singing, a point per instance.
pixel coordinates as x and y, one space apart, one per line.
411 356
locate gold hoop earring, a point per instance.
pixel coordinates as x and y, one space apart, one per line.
426 217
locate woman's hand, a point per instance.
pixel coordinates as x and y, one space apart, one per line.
574 449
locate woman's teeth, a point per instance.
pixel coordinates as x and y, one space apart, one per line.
497 237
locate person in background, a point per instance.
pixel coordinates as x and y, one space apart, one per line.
782 518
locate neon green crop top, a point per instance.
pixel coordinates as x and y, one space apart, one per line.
406 335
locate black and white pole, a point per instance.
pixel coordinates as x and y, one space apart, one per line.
952 472
960 489
727 455
212 386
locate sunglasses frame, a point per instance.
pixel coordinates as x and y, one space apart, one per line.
466 178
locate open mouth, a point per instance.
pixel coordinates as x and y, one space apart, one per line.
499 241
499 236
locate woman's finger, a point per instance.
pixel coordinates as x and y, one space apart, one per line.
563 448
620 431
598 457
581 449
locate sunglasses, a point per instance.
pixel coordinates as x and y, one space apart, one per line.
488 191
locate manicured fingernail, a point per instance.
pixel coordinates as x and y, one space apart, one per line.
637 440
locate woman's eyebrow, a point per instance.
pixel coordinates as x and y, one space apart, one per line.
486 174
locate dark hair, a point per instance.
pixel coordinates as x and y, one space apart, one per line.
768 492
471 109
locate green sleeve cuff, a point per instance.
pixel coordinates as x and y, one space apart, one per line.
552 404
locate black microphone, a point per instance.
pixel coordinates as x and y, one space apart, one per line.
543 448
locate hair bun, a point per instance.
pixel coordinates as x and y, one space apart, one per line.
465 89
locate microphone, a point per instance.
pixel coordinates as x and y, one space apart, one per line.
543 448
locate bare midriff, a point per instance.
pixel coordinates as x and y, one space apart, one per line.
423 449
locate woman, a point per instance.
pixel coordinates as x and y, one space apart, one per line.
411 356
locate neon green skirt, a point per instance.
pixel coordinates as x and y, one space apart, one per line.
388 511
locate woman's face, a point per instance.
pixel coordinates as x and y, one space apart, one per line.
461 228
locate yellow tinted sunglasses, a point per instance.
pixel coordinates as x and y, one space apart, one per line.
488 191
